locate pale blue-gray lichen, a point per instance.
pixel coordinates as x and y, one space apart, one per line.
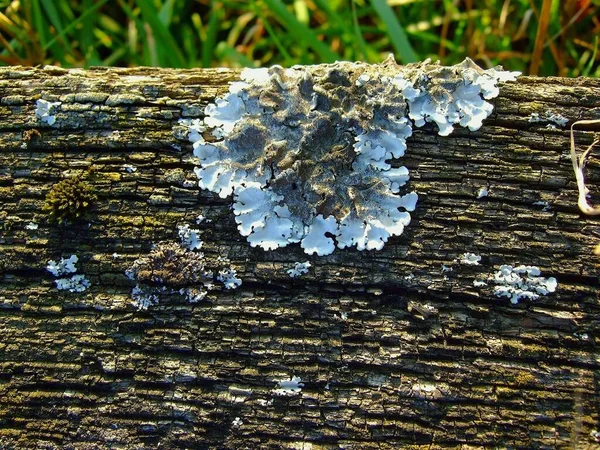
309 153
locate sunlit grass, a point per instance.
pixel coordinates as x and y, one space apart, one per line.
230 33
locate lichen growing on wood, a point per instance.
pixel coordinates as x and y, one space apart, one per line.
178 268
310 153
69 200
171 264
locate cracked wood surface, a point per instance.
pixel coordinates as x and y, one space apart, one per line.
393 350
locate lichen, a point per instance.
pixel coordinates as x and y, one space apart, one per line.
288 387
69 200
551 118
309 154
299 269
189 237
229 278
470 259
63 266
522 282
74 283
31 226
170 264
44 110
178 268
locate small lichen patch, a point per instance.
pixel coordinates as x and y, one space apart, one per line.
289 387
310 154
129 168
237 422
470 259
299 269
68 200
169 268
170 264
190 129
522 282
75 283
44 110
178 268
143 297
62 267
190 237
553 119
229 278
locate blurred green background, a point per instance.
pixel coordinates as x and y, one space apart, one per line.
545 37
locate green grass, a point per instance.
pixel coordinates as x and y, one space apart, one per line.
232 33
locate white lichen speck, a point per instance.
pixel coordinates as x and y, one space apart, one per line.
75 283
142 298
63 266
129 168
553 119
44 110
299 269
522 282
189 237
310 154
229 278
288 388
470 259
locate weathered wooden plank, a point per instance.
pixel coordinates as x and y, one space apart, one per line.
393 350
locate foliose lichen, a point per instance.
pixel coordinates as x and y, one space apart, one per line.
178 268
229 278
172 264
288 387
299 269
470 259
522 282
68 200
44 110
310 153
74 283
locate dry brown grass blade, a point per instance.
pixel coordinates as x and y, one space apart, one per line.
540 38
578 164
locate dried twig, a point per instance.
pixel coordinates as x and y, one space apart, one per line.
578 165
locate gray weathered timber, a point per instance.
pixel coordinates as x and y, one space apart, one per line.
393 351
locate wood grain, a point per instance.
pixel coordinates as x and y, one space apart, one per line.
393 351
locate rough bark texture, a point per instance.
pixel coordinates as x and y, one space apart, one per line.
393 350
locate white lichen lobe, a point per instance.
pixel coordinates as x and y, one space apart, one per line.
63 267
229 278
289 387
189 237
553 119
470 259
522 282
299 269
74 283
44 110
310 154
